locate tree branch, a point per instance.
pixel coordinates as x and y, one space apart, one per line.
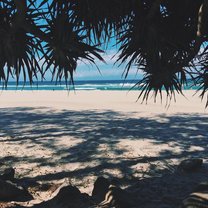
21 21
21 7
154 9
200 27
200 33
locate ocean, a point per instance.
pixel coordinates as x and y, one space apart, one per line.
82 85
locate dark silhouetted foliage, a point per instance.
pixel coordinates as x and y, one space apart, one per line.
166 39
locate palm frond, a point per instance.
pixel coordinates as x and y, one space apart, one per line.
163 55
66 47
17 49
200 75
162 38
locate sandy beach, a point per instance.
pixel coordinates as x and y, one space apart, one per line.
54 135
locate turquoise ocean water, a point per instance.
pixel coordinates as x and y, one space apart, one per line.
83 85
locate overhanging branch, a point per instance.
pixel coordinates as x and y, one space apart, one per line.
201 27
22 22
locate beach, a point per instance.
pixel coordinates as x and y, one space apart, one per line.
78 136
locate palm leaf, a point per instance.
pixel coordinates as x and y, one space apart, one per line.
17 49
68 46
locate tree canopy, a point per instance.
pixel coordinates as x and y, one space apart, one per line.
166 39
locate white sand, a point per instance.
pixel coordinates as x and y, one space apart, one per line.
100 100
80 136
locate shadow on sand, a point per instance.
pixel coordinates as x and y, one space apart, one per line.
96 139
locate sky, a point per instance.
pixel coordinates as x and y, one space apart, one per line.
107 71
110 70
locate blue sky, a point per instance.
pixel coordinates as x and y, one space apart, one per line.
108 70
